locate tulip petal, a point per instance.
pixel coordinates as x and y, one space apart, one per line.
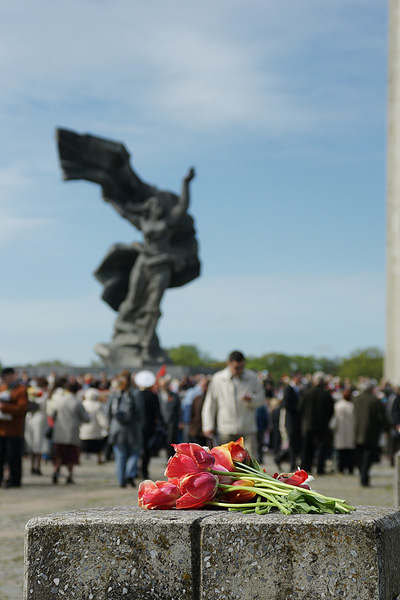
200 485
232 451
239 495
298 478
204 459
183 448
187 501
180 465
238 451
158 495
223 457
227 479
197 489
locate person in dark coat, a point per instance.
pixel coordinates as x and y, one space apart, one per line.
196 434
316 410
170 406
394 419
275 438
370 421
262 420
125 434
291 403
153 426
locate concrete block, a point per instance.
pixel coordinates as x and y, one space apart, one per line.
114 553
301 557
126 552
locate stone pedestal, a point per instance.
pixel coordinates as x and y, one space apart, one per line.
396 486
125 552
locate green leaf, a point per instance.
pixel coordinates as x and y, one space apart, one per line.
324 505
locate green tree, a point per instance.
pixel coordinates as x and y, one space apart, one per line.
49 363
368 363
278 364
189 356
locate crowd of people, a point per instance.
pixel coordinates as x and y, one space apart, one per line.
302 420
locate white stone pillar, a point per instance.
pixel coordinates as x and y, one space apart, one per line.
392 359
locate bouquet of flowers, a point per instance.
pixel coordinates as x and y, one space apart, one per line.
229 477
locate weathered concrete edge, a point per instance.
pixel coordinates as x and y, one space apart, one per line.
386 531
385 526
120 517
379 524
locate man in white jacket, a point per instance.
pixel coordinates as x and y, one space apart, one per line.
232 399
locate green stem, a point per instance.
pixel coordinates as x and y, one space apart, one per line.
259 472
233 488
265 481
275 501
280 484
237 505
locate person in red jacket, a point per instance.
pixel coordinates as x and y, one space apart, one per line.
13 406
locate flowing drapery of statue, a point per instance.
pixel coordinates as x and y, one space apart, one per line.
135 276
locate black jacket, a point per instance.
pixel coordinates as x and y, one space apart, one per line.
316 409
291 402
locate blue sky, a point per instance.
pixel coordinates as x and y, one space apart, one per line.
281 108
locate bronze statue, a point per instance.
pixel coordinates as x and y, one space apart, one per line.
135 276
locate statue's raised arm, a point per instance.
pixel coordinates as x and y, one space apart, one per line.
135 276
181 207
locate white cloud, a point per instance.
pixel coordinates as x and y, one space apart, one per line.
212 66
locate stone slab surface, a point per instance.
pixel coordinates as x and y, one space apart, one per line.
117 552
279 557
126 552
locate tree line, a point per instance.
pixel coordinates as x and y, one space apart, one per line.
366 362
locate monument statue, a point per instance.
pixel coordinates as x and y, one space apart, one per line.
135 276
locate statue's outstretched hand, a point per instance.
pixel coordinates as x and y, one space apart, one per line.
191 174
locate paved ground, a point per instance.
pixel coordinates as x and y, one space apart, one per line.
96 486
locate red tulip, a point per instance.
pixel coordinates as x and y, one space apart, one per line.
227 453
202 456
239 452
158 495
180 465
188 458
298 478
197 490
226 479
239 495
223 457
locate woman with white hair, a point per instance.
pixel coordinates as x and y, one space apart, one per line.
93 435
68 413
